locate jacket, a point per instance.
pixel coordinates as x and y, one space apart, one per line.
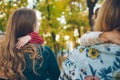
49 69
102 61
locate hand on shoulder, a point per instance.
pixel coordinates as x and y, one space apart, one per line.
111 36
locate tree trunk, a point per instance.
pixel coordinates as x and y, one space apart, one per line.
79 31
54 43
91 5
48 10
52 33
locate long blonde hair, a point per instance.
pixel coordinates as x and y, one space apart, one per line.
12 62
109 16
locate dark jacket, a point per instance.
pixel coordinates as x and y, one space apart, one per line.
49 69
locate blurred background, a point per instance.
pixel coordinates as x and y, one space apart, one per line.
62 22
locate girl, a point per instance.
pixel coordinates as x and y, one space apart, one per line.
101 61
32 61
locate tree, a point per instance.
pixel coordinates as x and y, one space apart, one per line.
7 7
50 10
91 4
76 17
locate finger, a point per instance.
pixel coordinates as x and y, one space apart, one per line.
19 45
19 41
16 44
89 78
96 78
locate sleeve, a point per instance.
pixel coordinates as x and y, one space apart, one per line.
53 68
91 38
65 75
70 69
35 38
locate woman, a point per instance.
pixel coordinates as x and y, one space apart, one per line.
101 61
97 37
31 62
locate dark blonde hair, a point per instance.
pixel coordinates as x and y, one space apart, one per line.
109 16
12 62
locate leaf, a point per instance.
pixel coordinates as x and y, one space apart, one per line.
92 70
116 65
81 77
117 53
104 73
118 60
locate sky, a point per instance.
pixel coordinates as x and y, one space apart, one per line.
30 5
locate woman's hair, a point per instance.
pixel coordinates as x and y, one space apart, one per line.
12 62
109 16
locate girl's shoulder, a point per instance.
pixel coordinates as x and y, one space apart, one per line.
45 51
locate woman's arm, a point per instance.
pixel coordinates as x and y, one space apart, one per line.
22 41
92 38
111 37
32 37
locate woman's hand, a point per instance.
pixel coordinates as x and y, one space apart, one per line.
91 78
22 41
112 36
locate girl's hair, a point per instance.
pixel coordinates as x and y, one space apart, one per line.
109 16
12 62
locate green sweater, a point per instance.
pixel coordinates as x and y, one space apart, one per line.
49 69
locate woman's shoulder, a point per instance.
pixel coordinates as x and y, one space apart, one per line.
40 46
44 50
47 48
102 48
107 47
